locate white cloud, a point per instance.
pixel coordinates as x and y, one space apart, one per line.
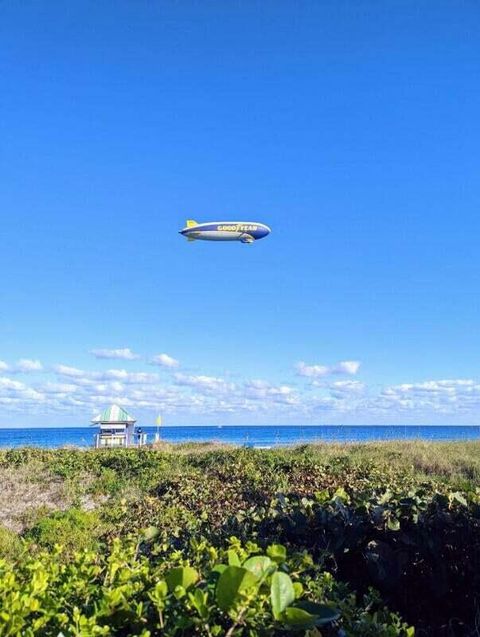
262 390
124 353
433 396
347 386
82 377
10 384
22 366
132 378
164 360
59 388
66 370
18 396
346 367
28 365
311 371
209 383
318 371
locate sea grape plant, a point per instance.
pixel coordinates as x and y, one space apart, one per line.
233 592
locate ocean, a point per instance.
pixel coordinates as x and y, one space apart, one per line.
253 436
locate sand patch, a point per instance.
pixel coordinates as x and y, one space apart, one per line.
24 490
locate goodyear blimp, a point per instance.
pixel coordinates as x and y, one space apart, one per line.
244 231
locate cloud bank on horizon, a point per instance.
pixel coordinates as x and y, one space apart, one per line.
316 393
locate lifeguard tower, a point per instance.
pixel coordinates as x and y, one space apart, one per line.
117 429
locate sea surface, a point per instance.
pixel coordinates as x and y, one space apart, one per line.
253 436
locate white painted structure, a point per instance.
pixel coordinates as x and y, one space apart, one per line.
117 429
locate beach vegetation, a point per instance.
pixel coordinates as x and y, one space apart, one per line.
374 539
239 590
73 529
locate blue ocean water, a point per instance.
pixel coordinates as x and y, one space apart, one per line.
256 436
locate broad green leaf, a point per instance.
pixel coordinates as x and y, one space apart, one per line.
231 582
385 497
260 565
322 496
161 589
184 576
277 552
282 593
298 617
179 592
393 524
233 558
458 497
150 533
199 602
298 588
341 494
322 614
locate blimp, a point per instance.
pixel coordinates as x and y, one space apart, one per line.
244 231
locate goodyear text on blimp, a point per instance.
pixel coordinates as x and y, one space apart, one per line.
237 228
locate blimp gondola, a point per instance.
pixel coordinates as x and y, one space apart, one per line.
243 231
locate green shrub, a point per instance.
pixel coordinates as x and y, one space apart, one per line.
73 529
237 591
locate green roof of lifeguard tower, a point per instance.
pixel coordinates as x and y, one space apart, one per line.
114 413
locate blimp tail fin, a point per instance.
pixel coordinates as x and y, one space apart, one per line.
191 223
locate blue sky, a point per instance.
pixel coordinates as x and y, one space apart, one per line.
350 128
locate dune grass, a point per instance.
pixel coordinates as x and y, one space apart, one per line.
457 461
